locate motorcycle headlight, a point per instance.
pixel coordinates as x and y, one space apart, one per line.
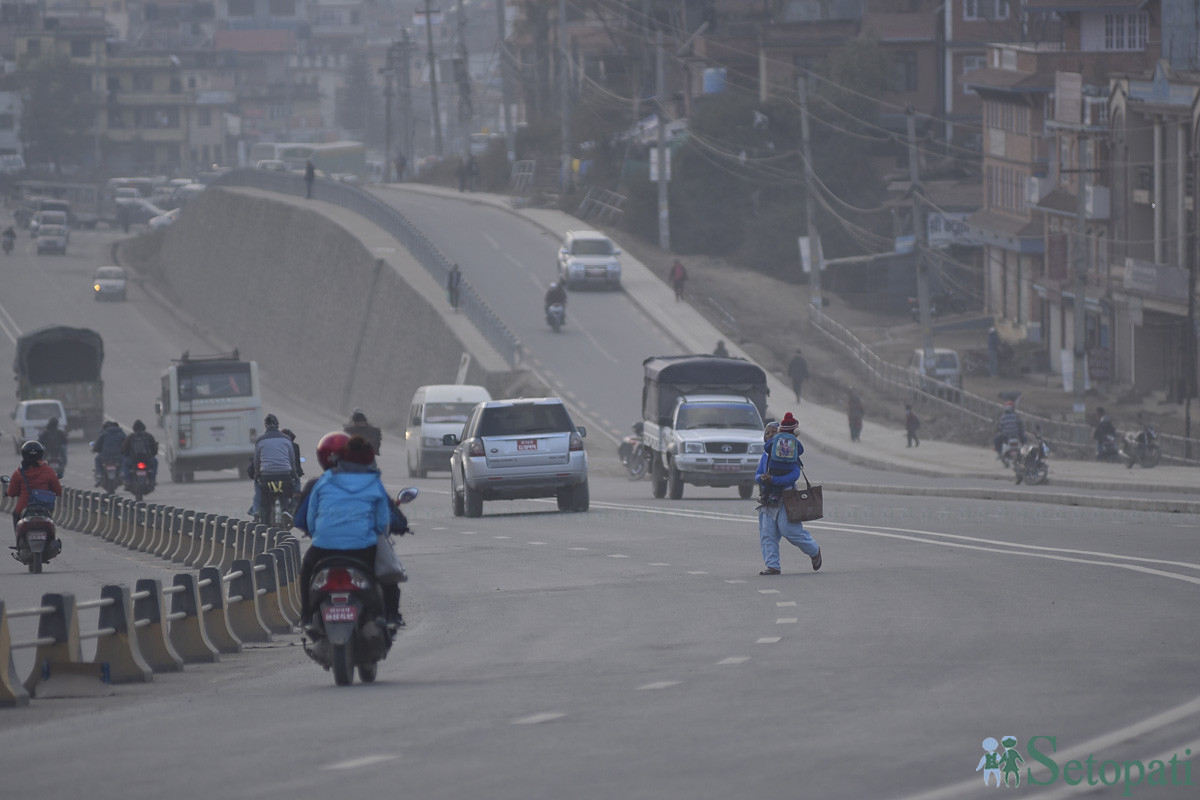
693 447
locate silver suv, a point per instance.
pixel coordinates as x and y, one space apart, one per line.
589 257
517 449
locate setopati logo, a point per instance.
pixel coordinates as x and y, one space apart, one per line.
1002 761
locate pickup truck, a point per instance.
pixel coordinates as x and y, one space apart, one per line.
702 422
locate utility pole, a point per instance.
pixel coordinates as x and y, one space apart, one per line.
505 82
462 77
564 88
388 71
918 215
814 245
406 129
664 209
433 93
1079 262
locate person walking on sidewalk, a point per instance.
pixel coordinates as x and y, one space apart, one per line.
310 175
798 372
779 469
855 414
720 350
453 281
911 423
679 277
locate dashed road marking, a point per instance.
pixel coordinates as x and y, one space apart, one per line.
362 761
768 591
697 572
659 564
467 533
769 640
786 603
501 537
735 580
577 548
733 660
544 543
534 719
617 555
658 685
787 620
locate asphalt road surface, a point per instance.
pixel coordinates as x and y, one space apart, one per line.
632 652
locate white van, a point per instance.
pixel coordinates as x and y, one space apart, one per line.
435 411
31 417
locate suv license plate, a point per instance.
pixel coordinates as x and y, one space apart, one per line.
726 467
340 613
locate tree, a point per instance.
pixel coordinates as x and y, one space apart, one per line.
58 122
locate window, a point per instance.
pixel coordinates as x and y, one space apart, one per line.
7 122
329 16
143 82
282 8
241 8
33 47
1007 117
204 117
80 48
904 71
1006 188
1126 31
176 86
985 9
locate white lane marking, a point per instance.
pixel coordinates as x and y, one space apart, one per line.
501 537
659 564
9 325
787 620
438 528
658 685
769 640
617 555
535 543
786 603
467 533
735 580
363 761
697 572
577 548
733 660
534 719
768 591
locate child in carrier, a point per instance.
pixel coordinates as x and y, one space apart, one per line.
781 457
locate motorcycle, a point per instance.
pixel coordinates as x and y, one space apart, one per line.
349 627
634 454
278 501
37 540
56 463
1031 468
142 483
1142 448
110 475
556 316
1010 455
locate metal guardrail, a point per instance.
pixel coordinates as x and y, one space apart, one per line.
247 589
367 205
908 385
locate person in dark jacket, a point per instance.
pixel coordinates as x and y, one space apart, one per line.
1104 429
359 426
32 474
55 441
310 175
108 445
139 446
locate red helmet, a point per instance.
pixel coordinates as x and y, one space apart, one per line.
329 449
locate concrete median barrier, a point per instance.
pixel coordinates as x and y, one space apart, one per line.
149 611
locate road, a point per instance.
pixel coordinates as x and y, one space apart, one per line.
634 652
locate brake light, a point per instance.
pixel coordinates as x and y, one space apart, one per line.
339 579
576 442
475 448
141 465
183 440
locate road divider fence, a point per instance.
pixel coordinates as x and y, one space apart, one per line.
246 590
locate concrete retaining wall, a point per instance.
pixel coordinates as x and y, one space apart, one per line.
300 294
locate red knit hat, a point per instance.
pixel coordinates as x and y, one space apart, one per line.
788 423
358 450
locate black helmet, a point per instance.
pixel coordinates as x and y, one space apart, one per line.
52 423
32 452
139 426
271 421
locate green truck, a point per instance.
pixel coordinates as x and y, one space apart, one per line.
62 363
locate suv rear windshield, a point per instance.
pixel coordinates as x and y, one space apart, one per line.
519 419
42 410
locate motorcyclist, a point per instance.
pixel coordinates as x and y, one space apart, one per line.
274 459
1105 431
139 446
32 474
55 441
359 426
345 510
10 237
1011 427
555 294
107 445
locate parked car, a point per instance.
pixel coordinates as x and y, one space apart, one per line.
589 257
514 449
109 283
51 239
944 378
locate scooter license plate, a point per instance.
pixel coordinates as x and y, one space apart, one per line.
36 536
340 613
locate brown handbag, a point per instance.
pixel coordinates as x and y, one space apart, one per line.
803 505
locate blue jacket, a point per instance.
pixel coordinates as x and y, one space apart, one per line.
347 510
764 477
108 443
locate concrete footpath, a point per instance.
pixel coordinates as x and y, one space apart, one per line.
882 447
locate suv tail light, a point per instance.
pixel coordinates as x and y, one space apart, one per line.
475 448
576 441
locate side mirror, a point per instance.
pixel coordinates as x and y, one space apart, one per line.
407 495
158 407
450 440
582 431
